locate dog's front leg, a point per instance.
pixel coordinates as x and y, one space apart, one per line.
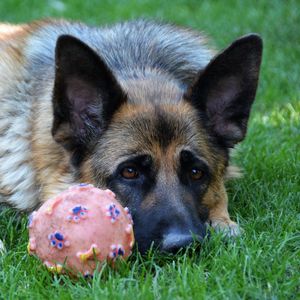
220 220
217 202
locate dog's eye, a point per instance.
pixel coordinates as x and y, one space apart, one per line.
196 174
130 173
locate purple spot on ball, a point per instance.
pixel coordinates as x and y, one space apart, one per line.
121 252
76 210
57 240
113 212
117 251
87 275
77 213
59 236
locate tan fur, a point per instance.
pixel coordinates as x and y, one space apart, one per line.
11 32
12 40
50 161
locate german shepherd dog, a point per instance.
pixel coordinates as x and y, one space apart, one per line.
142 108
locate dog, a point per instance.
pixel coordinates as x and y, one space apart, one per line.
143 108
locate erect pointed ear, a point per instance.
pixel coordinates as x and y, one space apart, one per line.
224 92
85 96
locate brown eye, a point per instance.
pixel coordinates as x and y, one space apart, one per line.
196 174
130 173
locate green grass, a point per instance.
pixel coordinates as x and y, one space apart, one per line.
265 262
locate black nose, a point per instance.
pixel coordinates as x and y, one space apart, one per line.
173 242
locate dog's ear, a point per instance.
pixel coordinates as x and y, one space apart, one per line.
225 90
85 96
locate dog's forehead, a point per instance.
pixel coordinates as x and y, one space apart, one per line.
161 124
154 90
160 129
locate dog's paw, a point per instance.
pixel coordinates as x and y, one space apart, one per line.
228 227
2 248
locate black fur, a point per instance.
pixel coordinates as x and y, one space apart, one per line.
224 92
86 94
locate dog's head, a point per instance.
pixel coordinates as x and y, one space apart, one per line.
161 149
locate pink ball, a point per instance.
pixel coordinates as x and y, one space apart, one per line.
80 227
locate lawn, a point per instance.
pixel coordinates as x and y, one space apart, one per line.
262 264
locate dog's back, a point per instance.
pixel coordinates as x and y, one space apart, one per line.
133 50
130 49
